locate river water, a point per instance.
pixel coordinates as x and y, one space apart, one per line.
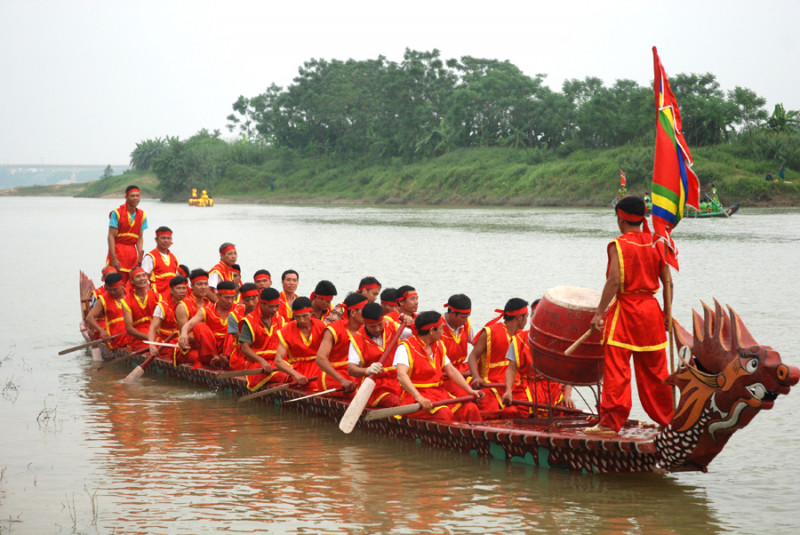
82 453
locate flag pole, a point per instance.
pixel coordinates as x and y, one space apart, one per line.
668 299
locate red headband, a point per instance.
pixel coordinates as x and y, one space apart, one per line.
406 295
132 190
137 270
198 278
164 233
369 286
306 310
108 269
275 301
458 310
357 306
430 326
374 322
629 217
226 292
115 285
323 297
262 276
503 313
389 303
227 249
250 293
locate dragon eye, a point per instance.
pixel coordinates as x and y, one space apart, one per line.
757 391
751 365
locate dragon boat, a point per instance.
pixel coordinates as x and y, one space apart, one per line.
725 379
713 212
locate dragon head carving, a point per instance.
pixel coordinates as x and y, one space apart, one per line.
726 378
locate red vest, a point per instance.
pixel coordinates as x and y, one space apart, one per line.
634 320
285 308
456 345
369 352
128 233
223 270
425 371
141 311
190 305
169 324
298 348
215 322
493 364
114 319
163 272
265 340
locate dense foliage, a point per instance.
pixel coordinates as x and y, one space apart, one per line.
379 112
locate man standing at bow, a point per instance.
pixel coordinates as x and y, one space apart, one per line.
126 226
223 271
633 324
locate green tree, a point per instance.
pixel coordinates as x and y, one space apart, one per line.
707 118
146 151
749 107
107 172
783 121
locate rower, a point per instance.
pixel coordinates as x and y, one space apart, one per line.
366 349
126 226
262 279
248 301
109 307
408 301
370 288
160 264
389 301
164 323
335 346
457 332
138 307
321 299
523 383
209 326
258 341
289 280
487 360
421 361
222 270
299 341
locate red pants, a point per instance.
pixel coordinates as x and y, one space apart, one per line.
655 396
464 412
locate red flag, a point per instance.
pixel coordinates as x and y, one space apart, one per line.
674 183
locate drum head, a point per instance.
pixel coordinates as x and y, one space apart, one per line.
573 298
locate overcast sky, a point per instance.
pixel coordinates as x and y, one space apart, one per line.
81 82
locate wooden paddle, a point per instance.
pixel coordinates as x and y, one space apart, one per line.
413 407
316 394
571 349
138 371
360 400
87 344
273 390
718 205
240 373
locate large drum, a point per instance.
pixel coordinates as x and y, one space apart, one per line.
562 316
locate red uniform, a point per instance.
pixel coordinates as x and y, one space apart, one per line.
634 325
114 320
212 334
285 308
224 271
338 357
182 356
265 344
163 272
456 345
387 389
125 241
528 386
301 352
141 311
425 372
493 364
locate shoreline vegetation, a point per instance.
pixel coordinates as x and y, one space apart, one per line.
464 177
469 131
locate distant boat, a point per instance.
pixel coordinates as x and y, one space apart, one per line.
203 200
713 212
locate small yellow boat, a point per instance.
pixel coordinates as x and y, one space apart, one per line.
203 200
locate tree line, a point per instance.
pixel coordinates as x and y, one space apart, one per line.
425 106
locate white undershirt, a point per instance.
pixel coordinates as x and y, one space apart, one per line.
147 261
401 356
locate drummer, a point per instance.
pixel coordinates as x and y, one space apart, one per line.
633 273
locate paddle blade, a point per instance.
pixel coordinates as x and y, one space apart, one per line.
137 372
357 406
96 354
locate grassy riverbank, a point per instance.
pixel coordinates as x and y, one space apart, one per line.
481 176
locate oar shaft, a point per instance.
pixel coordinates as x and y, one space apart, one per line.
316 394
273 390
536 405
87 344
413 407
240 373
